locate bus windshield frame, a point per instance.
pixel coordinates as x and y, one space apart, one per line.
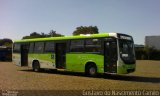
126 49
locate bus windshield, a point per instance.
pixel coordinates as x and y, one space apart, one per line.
127 51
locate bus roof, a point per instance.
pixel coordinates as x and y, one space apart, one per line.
69 37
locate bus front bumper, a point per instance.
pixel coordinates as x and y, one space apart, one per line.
126 68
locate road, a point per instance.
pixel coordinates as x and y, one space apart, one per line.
12 77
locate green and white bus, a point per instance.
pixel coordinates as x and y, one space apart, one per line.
111 53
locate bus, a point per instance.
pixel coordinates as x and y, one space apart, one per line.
111 53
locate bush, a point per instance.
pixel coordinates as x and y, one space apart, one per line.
147 53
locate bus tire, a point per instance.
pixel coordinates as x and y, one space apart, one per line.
91 70
36 66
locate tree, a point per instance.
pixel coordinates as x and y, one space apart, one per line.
86 30
6 42
52 33
33 35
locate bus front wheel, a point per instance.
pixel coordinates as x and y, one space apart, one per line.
91 70
36 66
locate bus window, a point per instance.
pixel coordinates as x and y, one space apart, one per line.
49 46
31 47
16 47
39 47
93 45
77 46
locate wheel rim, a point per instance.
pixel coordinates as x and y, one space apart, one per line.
36 67
92 71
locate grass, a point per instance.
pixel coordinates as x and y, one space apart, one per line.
146 77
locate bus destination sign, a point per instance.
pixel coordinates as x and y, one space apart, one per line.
125 37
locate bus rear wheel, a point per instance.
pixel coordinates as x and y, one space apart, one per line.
36 66
91 70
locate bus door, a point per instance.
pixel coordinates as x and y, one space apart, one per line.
110 55
60 55
24 55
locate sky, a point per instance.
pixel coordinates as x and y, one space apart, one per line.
138 18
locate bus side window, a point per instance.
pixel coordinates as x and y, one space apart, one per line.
39 47
17 47
77 46
93 45
49 46
31 47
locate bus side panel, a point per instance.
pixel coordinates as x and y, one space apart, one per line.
45 60
17 59
76 62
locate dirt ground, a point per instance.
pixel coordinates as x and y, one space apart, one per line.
12 77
